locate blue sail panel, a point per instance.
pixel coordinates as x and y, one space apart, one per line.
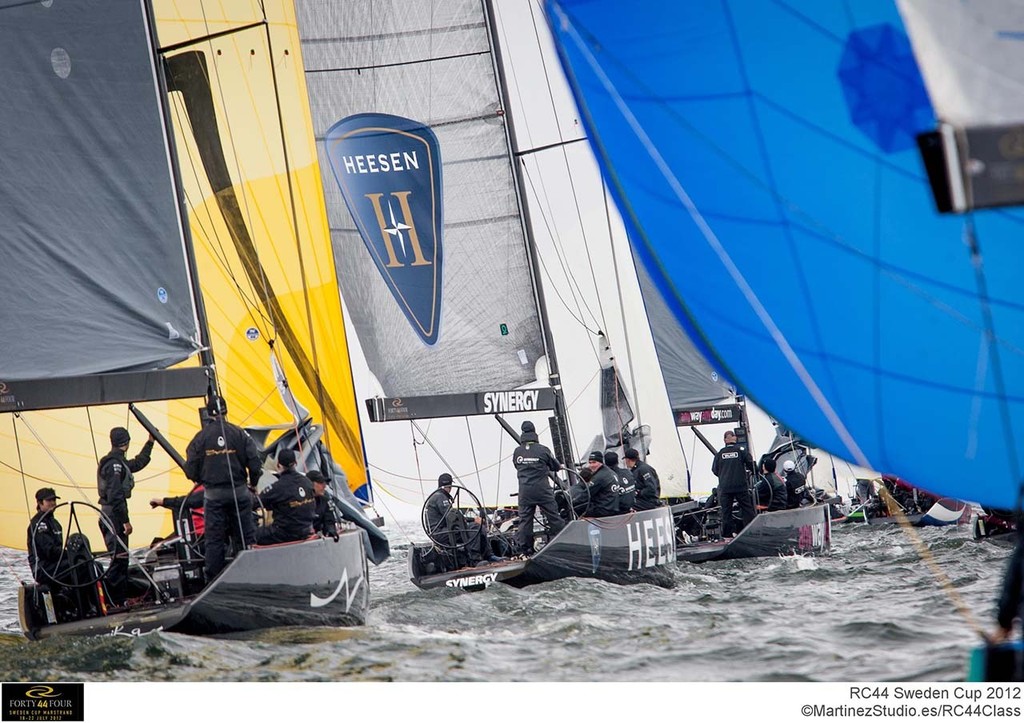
765 158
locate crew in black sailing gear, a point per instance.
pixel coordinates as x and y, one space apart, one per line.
796 486
626 486
291 500
114 482
534 463
447 524
604 498
770 490
731 465
221 456
325 521
46 540
648 486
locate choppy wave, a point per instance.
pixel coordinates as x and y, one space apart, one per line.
872 611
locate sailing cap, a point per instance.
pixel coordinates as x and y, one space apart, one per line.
632 454
315 475
528 426
119 436
46 493
788 465
596 456
286 457
216 406
611 458
444 480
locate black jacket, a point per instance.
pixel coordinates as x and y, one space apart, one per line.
45 543
626 487
604 499
324 520
1013 585
648 486
534 462
115 481
293 503
771 492
731 466
217 460
796 486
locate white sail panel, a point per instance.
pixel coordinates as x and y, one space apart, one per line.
428 64
971 55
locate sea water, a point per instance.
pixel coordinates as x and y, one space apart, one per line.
873 610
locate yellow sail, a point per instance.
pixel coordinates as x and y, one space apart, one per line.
252 191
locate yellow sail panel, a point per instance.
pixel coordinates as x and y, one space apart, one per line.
62 448
259 225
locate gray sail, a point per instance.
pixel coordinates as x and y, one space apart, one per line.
428 65
690 380
94 276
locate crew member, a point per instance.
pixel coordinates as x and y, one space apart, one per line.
770 490
731 465
291 500
626 484
46 539
447 524
648 486
325 521
220 457
604 499
115 482
796 486
535 464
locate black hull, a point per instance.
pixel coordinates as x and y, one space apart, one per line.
803 531
625 549
313 582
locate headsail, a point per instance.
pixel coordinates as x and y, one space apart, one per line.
427 328
768 156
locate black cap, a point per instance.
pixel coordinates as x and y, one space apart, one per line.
611 458
632 454
46 493
286 457
315 475
119 437
444 480
596 457
528 426
216 406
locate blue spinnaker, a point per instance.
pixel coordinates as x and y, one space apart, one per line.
764 155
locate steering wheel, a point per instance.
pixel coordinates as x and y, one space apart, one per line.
452 531
67 572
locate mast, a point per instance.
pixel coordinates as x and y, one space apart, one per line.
205 350
564 448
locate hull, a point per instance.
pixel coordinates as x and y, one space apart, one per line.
803 531
945 511
312 582
625 549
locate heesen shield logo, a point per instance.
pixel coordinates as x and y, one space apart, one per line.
389 172
43 701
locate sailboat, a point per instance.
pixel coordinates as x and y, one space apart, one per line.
165 179
829 195
436 264
902 502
